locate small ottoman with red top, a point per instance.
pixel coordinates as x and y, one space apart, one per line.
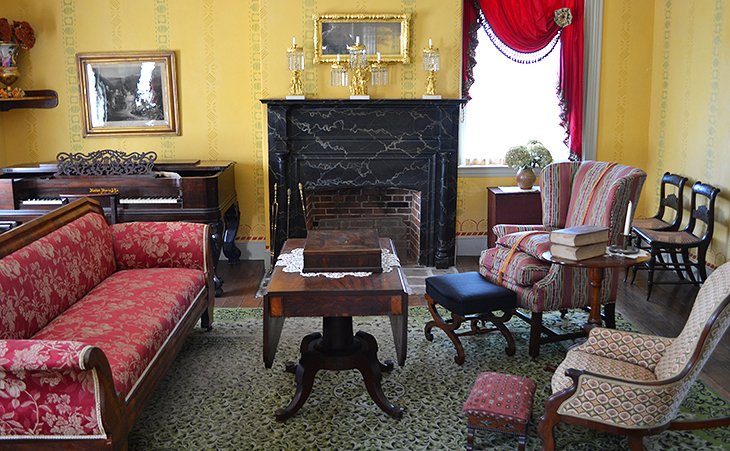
499 402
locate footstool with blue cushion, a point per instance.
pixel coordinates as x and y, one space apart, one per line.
470 297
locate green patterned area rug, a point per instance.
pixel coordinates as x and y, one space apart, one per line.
218 395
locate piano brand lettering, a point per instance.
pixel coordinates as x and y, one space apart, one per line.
103 190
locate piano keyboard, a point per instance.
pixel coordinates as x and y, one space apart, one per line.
126 201
41 202
147 200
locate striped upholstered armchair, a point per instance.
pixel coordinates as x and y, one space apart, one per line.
573 193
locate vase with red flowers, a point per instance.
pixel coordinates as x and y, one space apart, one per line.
13 36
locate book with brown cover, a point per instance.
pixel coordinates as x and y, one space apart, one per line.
579 235
577 253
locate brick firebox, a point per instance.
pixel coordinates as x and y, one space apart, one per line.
394 212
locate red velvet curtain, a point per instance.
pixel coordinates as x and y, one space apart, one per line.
525 30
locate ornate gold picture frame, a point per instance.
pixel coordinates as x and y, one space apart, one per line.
388 34
128 93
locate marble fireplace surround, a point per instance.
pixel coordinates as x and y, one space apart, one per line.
331 144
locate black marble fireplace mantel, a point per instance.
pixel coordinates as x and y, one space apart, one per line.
335 144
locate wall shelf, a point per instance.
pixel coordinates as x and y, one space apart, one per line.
45 98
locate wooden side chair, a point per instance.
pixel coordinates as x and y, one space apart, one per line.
674 201
632 384
667 200
680 242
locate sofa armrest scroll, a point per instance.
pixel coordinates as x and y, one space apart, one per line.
54 388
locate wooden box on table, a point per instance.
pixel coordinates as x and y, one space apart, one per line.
342 251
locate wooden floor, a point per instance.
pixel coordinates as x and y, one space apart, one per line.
664 314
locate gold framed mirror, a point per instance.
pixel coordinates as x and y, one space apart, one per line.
384 33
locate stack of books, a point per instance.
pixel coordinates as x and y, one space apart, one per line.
579 242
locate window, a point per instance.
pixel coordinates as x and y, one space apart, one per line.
511 104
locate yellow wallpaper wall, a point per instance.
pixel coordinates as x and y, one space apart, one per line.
625 82
230 54
663 106
690 103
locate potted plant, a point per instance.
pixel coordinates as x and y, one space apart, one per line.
525 158
13 36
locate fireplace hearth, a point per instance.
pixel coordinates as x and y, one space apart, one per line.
325 146
394 212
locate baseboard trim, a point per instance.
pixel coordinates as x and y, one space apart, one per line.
470 245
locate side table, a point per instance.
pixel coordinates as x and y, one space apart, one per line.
596 268
512 205
336 348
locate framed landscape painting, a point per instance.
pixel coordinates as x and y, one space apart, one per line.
128 93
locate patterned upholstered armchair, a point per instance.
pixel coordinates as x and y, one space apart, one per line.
633 384
573 193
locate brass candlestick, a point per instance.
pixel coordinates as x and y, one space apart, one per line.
295 58
359 69
431 64
625 248
304 207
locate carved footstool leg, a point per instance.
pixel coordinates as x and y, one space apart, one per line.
468 297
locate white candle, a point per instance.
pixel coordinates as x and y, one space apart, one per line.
627 224
357 40
293 41
430 43
378 56
338 58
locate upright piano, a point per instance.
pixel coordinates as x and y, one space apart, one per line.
182 190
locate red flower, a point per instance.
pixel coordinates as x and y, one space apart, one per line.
20 33
6 33
24 34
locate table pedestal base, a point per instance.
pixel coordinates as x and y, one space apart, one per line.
338 349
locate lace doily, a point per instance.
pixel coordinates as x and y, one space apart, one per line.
294 262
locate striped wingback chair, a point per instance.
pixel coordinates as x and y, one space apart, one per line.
573 193
632 384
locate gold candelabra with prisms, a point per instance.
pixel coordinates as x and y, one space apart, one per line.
431 64
359 69
357 72
295 57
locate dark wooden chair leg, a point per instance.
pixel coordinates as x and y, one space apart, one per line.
609 313
650 277
521 442
469 438
633 273
546 430
687 264
636 443
535 331
701 264
678 266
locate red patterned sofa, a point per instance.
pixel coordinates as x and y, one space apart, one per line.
91 316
